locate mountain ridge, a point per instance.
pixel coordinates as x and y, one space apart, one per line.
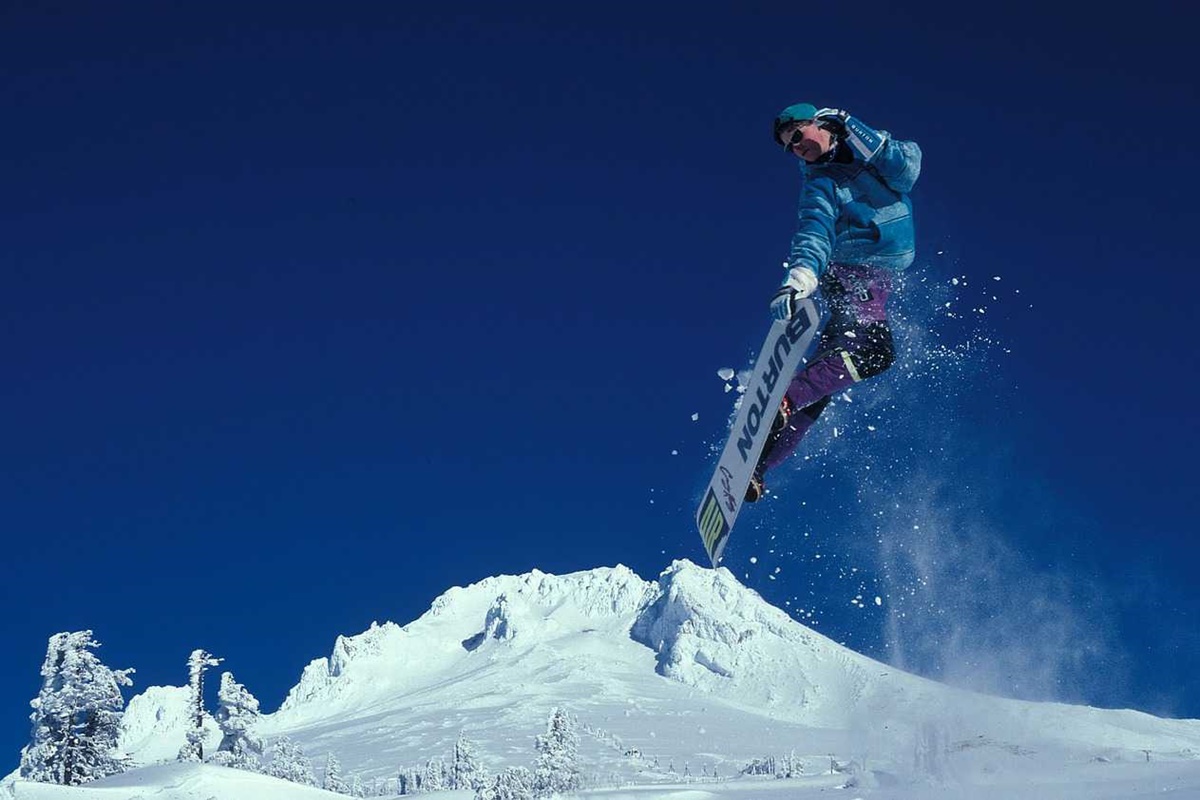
692 667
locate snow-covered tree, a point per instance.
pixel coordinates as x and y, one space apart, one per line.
237 712
515 783
465 770
435 778
76 715
410 781
557 767
41 759
333 780
198 663
289 762
757 766
789 766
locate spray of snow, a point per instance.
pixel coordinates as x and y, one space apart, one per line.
875 508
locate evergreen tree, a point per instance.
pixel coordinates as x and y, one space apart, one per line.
515 783
41 759
557 767
198 663
76 715
357 789
465 770
334 782
237 712
410 781
288 762
434 779
790 766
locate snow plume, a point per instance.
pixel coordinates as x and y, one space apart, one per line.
965 607
963 604
946 347
943 354
907 547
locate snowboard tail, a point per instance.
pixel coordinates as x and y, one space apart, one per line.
789 344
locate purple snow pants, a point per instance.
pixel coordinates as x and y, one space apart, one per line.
856 344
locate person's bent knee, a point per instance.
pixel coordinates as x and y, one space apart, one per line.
877 353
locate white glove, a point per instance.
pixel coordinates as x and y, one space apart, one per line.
800 283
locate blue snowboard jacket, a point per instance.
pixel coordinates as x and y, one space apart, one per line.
858 212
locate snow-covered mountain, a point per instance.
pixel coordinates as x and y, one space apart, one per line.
687 677
155 723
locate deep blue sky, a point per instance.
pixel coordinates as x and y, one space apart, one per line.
311 312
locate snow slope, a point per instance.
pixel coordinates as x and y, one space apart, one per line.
175 781
690 672
677 684
155 724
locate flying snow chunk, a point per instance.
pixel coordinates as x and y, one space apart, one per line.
695 417
878 600
725 373
674 452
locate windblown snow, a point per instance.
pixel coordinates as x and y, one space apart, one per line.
676 684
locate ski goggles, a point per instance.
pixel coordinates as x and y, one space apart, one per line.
797 135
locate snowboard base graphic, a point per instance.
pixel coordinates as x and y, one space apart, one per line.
789 344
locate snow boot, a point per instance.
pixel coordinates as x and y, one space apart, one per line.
758 486
756 489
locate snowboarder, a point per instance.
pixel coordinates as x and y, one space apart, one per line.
855 231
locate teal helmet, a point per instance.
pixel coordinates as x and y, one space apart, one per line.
797 112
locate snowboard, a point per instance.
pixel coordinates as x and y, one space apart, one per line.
789 344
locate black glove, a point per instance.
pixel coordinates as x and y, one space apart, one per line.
833 120
864 140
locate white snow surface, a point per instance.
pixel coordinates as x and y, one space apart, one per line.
155 724
676 684
177 781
